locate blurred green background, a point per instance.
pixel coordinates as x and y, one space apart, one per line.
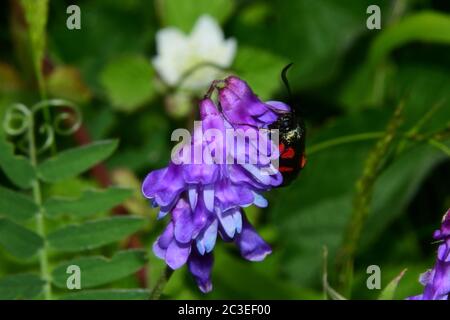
346 79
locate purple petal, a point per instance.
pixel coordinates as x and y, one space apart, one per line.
201 218
164 210
260 201
177 254
152 182
278 106
444 251
200 246
200 266
257 173
227 222
418 297
426 277
193 197
167 236
439 287
200 173
207 240
164 185
211 117
268 117
242 107
208 108
239 175
237 217
437 280
162 214
208 197
230 195
251 245
159 251
162 243
183 219
444 232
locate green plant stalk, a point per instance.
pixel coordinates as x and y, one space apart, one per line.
343 140
36 186
40 219
439 145
415 137
361 204
413 133
37 58
161 284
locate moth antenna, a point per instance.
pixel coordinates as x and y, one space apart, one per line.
285 80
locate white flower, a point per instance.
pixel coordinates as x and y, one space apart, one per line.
179 54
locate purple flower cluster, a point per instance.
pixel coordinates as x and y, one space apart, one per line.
437 280
206 199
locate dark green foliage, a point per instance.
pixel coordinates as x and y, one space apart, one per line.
346 80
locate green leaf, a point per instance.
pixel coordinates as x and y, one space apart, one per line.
101 20
20 286
128 82
74 161
117 294
389 292
16 206
183 14
430 27
94 234
424 86
370 81
17 168
91 202
96 271
396 186
18 240
312 34
150 153
261 69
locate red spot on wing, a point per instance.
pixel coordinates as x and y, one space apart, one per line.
288 154
281 147
286 169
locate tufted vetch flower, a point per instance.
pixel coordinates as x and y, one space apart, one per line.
205 200
437 280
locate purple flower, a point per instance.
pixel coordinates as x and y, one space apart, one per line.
205 199
437 280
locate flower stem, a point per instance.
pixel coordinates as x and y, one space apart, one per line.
161 284
40 220
361 203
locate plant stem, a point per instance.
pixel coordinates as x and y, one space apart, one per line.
439 145
43 255
361 204
434 136
40 219
343 140
161 284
